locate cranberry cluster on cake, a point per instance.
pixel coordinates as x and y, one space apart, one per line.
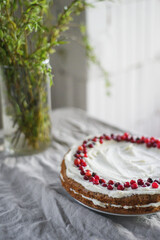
114 173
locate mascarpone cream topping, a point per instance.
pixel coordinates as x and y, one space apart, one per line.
120 162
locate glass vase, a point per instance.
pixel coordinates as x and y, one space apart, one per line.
26 106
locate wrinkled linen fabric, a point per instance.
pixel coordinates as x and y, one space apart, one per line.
33 204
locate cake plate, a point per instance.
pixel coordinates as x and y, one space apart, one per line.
114 214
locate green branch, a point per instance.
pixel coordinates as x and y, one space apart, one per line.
25 43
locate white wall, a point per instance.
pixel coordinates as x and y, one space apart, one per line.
126 38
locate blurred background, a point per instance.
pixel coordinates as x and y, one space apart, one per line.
126 39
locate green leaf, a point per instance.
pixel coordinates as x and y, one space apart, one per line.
1 34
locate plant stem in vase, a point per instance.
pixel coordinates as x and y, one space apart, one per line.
26 108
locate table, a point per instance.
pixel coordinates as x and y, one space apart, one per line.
33 204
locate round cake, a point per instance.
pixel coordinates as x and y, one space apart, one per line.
114 173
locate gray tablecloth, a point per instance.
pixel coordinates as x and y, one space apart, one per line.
33 204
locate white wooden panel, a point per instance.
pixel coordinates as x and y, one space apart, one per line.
157 28
129 49
126 37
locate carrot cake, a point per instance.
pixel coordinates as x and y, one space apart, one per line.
114 173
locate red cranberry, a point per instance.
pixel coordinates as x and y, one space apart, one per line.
125 136
85 151
140 182
112 136
146 140
154 145
147 184
142 139
77 162
101 137
96 177
149 145
120 187
84 145
85 155
86 177
111 182
83 163
101 141
132 181
80 148
110 187
157 181
96 181
102 180
118 138
152 139
104 185
88 173
81 168
158 145
127 185
132 140
93 174
85 142
94 139
138 140
91 179
134 186
82 172
149 180
143 185
155 185
90 145
77 155
116 184
107 138
78 152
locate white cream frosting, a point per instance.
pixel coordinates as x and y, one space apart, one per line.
119 161
102 204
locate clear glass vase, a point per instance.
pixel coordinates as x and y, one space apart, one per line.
26 109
